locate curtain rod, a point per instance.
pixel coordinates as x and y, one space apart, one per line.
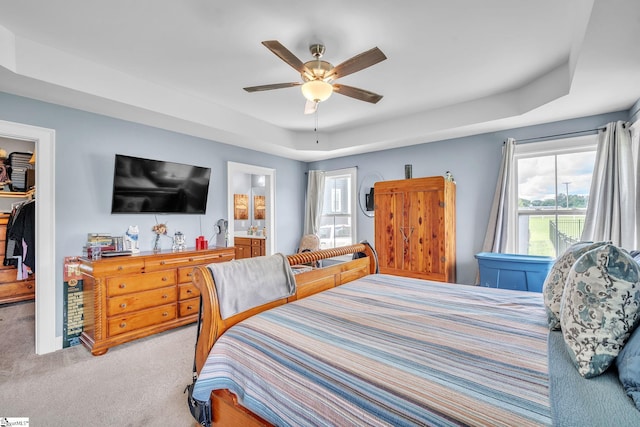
346 167
578 132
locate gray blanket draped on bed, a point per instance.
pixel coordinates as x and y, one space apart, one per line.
249 282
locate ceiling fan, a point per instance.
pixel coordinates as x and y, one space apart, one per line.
319 76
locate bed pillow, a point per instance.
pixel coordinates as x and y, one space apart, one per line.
628 362
600 307
557 277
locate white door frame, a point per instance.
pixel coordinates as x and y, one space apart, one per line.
46 339
270 200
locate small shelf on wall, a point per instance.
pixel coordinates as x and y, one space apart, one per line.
9 198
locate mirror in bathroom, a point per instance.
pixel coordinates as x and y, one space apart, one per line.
240 206
258 207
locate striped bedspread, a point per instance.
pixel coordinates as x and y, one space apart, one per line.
386 350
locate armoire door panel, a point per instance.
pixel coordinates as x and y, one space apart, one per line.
389 241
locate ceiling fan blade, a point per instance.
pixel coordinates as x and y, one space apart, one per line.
271 86
357 93
286 55
357 63
310 107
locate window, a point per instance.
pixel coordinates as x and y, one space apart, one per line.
553 182
337 222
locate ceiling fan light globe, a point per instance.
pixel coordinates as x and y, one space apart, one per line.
317 90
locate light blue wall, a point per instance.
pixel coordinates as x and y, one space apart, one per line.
474 162
85 148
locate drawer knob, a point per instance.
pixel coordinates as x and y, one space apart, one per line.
165 314
29 286
123 325
189 291
189 274
162 262
123 285
123 305
165 296
164 279
191 260
189 307
120 268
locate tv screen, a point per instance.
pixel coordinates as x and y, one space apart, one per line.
155 186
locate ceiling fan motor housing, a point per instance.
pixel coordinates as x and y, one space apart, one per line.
319 69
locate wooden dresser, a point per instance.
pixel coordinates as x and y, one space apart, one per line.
131 297
415 228
248 247
12 289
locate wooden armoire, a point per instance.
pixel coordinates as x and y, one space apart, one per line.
415 228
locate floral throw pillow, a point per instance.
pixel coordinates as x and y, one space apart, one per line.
600 307
554 283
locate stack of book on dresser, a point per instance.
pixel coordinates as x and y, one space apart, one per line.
98 242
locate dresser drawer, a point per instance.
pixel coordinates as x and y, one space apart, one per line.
222 256
118 265
189 307
140 319
8 274
187 290
14 289
185 274
140 300
188 260
140 282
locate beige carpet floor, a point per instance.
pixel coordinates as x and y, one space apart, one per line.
135 384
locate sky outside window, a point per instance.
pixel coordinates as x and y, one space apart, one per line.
537 176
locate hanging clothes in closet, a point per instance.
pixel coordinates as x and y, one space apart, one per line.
21 238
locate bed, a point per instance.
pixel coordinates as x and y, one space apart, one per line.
350 347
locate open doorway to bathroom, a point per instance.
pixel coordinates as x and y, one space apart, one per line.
256 211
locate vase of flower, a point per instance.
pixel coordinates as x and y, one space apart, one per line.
156 244
159 230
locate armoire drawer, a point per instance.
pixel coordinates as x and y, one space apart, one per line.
140 282
141 319
140 300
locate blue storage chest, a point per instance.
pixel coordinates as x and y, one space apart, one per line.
513 271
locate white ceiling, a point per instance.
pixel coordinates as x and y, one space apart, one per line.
454 67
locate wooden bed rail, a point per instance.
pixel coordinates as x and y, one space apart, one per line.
307 283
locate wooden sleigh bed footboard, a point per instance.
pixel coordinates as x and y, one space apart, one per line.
225 408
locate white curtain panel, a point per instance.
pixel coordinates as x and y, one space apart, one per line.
612 214
314 202
501 231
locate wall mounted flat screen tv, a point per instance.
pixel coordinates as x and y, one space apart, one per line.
155 186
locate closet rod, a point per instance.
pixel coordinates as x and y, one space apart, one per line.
575 133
